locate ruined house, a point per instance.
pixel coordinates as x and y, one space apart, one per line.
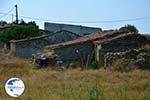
26 47
82 30
94 46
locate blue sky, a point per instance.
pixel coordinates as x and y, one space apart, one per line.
82 10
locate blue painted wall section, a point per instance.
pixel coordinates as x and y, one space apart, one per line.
82 30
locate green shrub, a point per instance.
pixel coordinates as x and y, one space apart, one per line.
129 28
94 65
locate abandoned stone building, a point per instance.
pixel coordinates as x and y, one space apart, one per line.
26 47
82 30
52 34
94 46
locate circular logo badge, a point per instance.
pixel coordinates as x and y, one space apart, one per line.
14 87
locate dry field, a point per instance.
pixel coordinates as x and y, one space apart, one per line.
47 84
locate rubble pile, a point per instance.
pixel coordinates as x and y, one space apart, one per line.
141 57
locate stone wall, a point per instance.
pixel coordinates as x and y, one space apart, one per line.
28 47
81 52
140 57
117 48
125 43
1 30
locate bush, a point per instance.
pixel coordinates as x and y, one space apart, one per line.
129 28
94 65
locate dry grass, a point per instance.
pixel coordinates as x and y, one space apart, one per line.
123 65
9 61
47 84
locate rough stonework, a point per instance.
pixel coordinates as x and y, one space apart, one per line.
80 53
96 45
140 57
26 47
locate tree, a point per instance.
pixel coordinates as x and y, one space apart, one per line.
19 32
22 22
129 28
33 23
